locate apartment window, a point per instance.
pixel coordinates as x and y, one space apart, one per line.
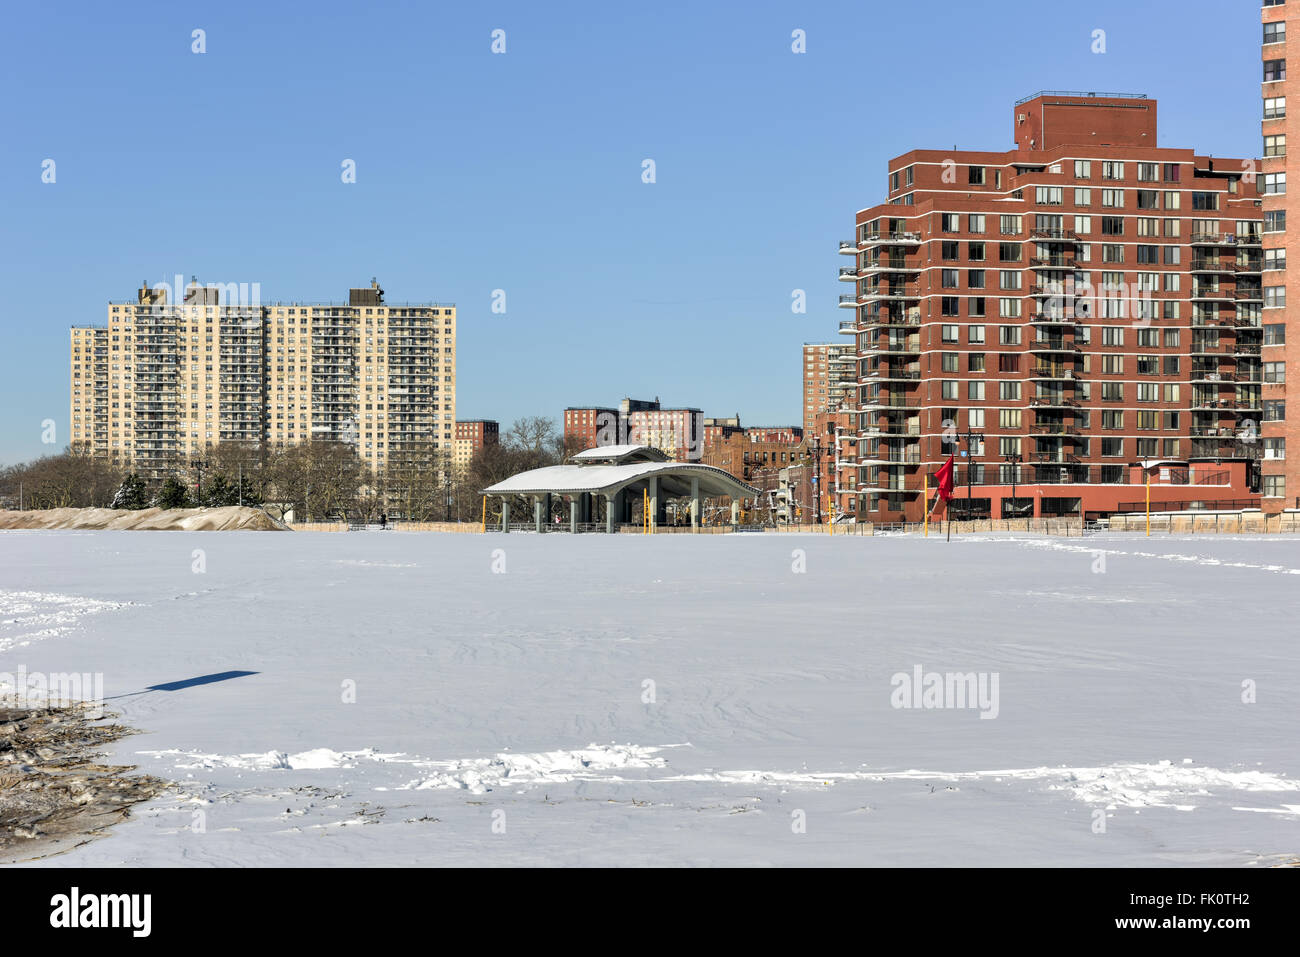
1274 107
1113 198
1275 334
1275 220
1111 419
1082 196
975 175
1275 372
1009 279
1112 170
1009 391
1009 335
975 252
1008 418
949 361
1274 259
1274 183
1274 297
1148 199
1204 200
1010 225
1009 309
975 223
975 306
950 222
948 278
1083 226
1274 70
949 333
1083 169
948 388
949 249
893 182
1148 255
1112 253
1275 448
975 334
1275 145
1112 336
975 390
1009 252
1275 32
1112 225
1274 410
975 362
975 278
1049 195
1273 486
1172 172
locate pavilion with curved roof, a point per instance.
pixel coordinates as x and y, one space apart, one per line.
617 476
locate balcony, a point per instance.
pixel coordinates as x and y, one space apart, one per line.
848 327
1209 265
887 266
892 239
1059 235
1052 262
891 294
1045 319
1050 371
848 274
1218 295
892 375
848 302
849 248
1053 344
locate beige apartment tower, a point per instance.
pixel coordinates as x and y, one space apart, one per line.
164 381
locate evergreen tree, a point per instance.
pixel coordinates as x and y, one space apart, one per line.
173 494
132 494
219 492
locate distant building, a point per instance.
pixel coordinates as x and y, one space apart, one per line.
472 435
174 372
748 452
679 433
829 378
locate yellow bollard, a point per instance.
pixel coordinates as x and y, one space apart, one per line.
925 504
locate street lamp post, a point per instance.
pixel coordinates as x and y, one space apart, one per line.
817 477
970 462
199 466
1014 458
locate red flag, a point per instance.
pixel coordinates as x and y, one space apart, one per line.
944 475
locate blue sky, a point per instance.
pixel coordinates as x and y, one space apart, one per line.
522 171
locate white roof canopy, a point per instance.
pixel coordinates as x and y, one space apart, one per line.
609 469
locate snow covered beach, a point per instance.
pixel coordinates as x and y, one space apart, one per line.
378 698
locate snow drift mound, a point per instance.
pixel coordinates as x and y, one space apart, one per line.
223 519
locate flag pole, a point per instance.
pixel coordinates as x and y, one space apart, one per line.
1148 504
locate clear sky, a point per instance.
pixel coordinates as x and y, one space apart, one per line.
523 171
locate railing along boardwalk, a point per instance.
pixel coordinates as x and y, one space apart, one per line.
1226 523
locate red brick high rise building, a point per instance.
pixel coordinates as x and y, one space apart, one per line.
1281 476
1082 313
